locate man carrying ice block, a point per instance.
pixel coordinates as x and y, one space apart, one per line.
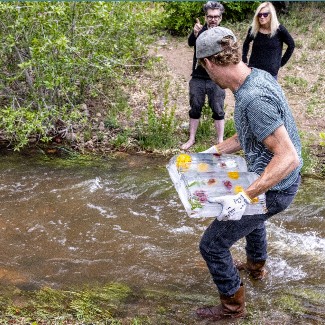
267 133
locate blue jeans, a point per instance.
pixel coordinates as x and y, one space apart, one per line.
221 235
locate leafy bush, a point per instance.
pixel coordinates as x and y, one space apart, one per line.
180 17
310 161
206 133
57 56
206 129
322 139
237 11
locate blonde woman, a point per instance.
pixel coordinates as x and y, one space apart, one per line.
268 37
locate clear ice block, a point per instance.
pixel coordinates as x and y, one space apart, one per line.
199 176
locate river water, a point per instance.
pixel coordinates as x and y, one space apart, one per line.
120 219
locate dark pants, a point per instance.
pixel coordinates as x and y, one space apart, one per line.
221 235
199 88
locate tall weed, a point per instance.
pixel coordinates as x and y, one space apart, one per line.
156 128
206 128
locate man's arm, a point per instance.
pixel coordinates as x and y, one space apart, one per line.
191 39
285 160
196 29
230 145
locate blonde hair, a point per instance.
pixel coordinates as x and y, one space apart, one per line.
274 19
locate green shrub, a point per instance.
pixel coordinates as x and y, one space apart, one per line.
295 82
309 159
237 11
57 56
206 133
180 17
322 139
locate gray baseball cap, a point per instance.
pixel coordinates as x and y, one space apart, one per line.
208 43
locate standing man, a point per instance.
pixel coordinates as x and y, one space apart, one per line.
267 133
201 85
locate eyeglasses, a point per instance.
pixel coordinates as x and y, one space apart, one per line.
213 17
263 14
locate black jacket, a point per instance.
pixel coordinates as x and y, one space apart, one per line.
199 71
266 53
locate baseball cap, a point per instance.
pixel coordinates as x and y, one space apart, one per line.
208 43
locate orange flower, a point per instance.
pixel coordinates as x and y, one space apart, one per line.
212 181
202 167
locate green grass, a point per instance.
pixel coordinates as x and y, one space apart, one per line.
119 304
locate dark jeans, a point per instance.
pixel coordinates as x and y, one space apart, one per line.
221 235
199 88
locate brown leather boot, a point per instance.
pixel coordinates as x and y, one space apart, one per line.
231 307
255 269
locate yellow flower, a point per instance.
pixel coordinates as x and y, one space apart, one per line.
233 175
183 161
238 189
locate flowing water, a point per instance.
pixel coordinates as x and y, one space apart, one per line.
121 220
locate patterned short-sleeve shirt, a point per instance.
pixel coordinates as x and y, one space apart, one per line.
260 109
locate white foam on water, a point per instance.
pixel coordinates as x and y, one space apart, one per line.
101 210
138 214
175 203
280 269
308 243
73 248
150 247
119 229
90 185
183 230
95 185
62 241
37 227
127 196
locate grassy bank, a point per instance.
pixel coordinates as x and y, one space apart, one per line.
119 304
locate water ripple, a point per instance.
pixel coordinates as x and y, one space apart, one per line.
308 243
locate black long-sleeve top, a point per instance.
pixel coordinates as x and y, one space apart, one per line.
197 71
266 51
